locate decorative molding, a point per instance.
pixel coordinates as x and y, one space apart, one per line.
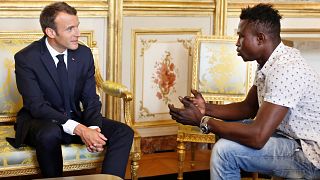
168 7
287 9
146 45
300 34
192 134
159 123
300 31
220 25
7 118
111 103
32 8
186 44
144 112
196 138
32 169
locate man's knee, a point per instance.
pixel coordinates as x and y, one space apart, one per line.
49 135
122 131
128 131
223 148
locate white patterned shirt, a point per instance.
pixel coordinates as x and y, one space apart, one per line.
287 80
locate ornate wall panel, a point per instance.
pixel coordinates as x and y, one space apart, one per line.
161 72
149 49
158 34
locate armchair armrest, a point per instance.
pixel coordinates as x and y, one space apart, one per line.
116 90
119 90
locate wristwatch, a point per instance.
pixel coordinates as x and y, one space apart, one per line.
204 127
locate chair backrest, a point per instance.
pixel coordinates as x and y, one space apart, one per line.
10 43
218 73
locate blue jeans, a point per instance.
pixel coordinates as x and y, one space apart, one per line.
280 156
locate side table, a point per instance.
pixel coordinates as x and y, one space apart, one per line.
190 134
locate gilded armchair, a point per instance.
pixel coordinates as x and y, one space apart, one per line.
22 161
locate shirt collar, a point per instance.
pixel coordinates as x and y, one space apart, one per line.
272 59
52 51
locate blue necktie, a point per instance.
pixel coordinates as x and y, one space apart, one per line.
63 77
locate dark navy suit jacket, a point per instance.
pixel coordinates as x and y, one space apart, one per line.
38 83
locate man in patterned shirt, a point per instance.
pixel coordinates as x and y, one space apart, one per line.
284 138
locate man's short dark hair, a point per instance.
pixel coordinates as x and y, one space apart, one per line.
50 12
265 18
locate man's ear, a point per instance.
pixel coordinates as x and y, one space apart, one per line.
261 37
50 33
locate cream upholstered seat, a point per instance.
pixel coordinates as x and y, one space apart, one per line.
23 161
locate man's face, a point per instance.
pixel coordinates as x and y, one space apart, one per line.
66 33
247 44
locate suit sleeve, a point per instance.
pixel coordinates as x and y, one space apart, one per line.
33 97
89 98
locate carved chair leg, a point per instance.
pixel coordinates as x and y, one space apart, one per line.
135 157
181 149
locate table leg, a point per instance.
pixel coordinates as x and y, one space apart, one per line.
193 154
181 149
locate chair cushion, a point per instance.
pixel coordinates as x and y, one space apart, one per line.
26 156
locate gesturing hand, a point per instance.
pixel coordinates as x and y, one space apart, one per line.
189 115
92 138
197 100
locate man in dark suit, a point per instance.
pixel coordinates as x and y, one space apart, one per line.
55 77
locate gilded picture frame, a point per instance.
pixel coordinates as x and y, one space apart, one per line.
218 72
10 43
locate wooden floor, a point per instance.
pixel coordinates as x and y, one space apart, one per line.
159 164
167 163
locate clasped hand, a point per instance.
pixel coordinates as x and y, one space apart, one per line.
193 109
92 138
